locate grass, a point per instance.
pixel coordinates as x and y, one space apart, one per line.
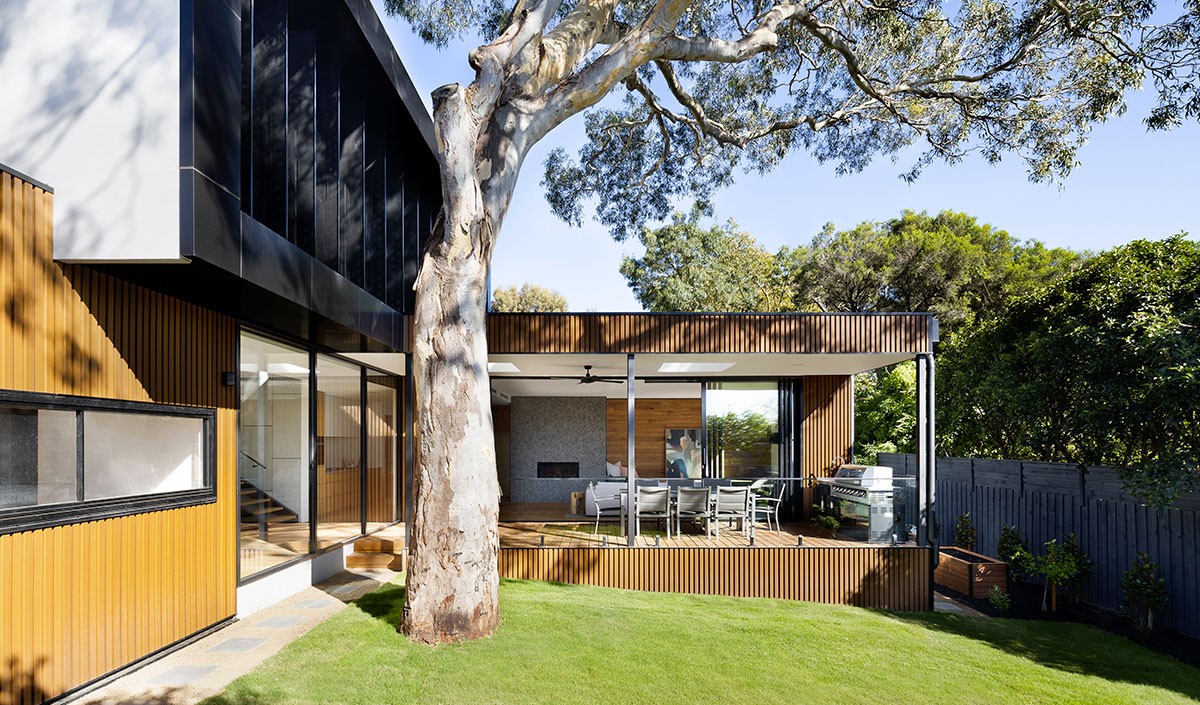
573 644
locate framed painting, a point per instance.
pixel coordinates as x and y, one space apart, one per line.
683 452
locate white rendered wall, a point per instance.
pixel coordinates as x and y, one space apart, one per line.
91 107
266 591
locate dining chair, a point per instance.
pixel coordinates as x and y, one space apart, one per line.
734 503
652 503
693 504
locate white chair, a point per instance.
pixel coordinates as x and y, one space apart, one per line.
734 503
653 503
767 506
693 504
606 505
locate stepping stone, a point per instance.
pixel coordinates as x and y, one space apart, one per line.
278 623
314 604
342 589
182 675
237 646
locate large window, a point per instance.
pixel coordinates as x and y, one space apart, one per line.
317 453
65 459
273 456
742 423
339 450
382 468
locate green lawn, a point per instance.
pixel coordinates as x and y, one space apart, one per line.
570 644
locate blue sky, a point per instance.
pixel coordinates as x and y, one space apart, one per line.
1130 184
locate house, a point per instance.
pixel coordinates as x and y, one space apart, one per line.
210 222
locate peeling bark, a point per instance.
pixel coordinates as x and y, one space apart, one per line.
452 580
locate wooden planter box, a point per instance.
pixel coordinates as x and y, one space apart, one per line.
970 573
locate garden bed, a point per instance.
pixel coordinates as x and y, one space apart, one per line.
970 573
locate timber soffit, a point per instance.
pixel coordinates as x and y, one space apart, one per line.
822 333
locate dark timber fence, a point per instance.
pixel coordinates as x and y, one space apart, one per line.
1049 500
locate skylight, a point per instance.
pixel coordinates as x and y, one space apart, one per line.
694 366
502 367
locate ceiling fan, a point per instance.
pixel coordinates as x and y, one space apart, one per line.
589 378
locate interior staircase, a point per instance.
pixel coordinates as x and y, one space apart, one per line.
257 505
378 551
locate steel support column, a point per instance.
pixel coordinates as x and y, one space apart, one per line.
631 483
924 522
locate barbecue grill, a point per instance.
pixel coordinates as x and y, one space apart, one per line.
866 495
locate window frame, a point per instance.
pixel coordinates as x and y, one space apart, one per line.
44 516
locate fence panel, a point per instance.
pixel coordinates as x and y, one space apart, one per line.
1049 500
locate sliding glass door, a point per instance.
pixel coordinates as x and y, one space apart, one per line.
290 504
742 429
273 453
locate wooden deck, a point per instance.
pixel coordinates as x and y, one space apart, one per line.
530 525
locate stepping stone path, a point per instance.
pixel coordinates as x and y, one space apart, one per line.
206 666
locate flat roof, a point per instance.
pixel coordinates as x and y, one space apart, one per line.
702 333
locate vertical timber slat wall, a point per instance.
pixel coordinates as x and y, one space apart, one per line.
700 333
828 423
883 577
80 600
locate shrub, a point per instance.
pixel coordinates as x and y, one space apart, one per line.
1062 565
1143 591
831 524
964 532
998 599
1011 549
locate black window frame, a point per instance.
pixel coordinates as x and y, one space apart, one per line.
44 516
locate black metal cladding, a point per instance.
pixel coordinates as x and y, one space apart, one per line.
331 159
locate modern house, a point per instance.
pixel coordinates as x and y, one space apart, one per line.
211 215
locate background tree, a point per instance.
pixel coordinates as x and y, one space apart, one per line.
710 87
1100 368
885 413
528 298
689 268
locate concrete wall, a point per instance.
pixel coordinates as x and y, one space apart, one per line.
91 107
554 429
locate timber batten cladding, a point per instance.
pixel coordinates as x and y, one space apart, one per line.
80 600
708 333
868 576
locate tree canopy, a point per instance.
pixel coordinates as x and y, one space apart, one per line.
720 269
948 264
1100 368
528 298
885 411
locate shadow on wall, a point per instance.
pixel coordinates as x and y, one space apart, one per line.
37 280
69 81
20 683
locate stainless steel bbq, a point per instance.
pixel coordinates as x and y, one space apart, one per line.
867 495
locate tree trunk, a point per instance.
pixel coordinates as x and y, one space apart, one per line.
452 579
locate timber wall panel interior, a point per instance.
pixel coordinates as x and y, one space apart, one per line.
883 577
652 419
80 600
707 333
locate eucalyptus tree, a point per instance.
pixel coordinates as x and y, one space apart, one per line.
708 87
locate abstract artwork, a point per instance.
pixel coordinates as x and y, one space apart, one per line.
683 452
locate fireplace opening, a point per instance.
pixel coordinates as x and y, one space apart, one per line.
558 470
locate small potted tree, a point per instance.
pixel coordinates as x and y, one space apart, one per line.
1143 592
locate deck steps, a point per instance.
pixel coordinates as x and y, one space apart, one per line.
378 552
